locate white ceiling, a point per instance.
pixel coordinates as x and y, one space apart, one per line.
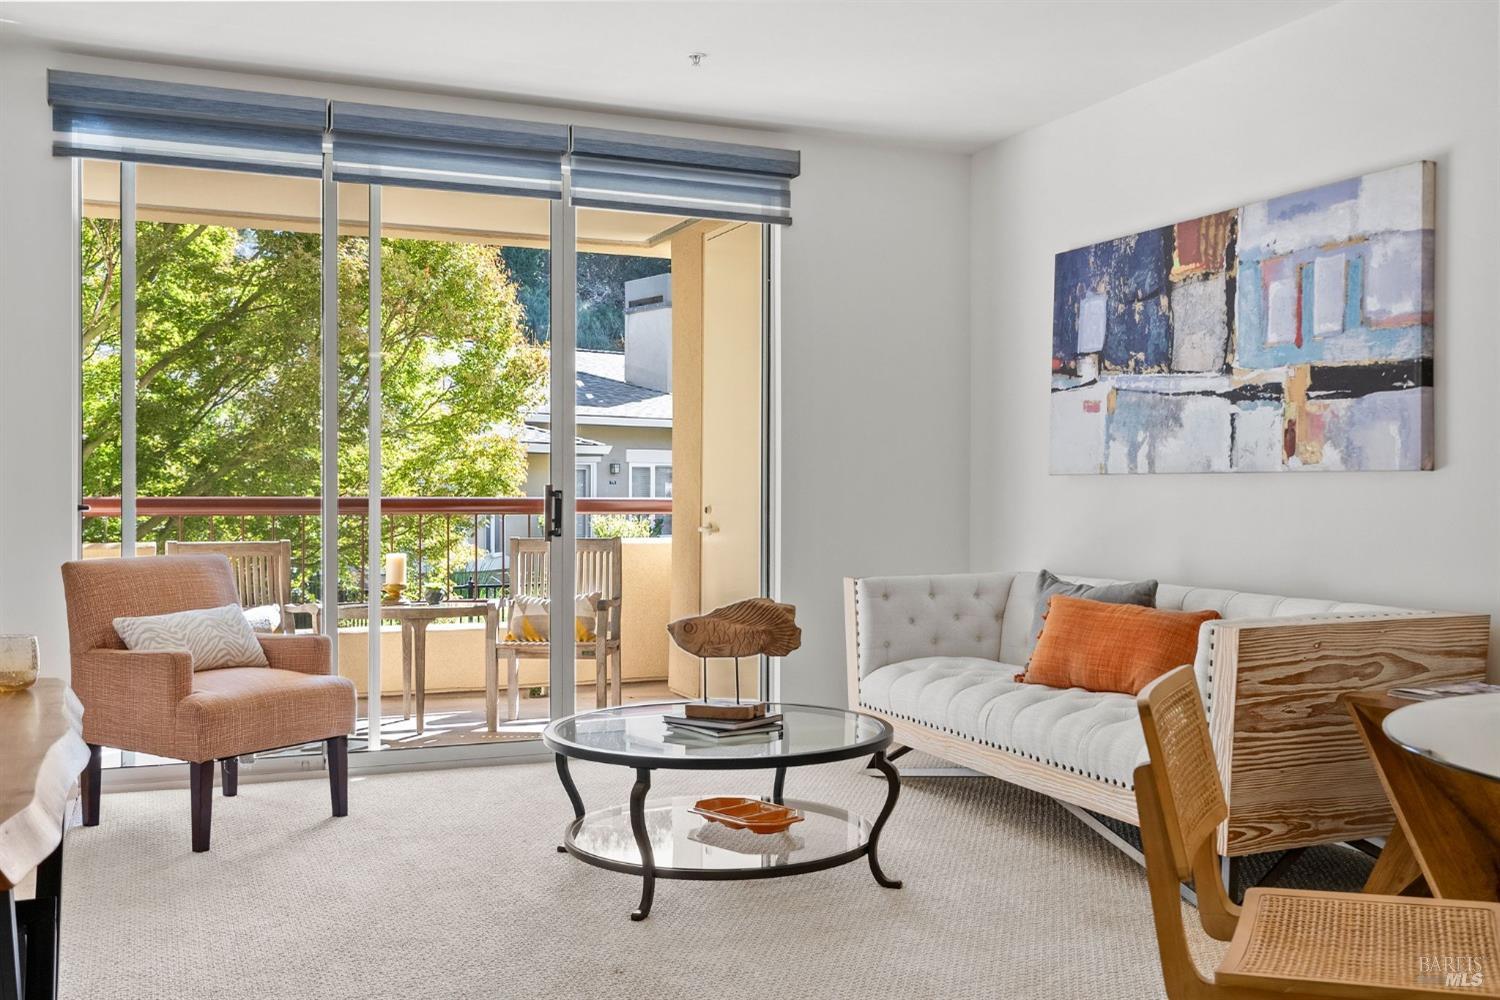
956 74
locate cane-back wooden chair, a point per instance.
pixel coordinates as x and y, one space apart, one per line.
598 571
262 573
1283 942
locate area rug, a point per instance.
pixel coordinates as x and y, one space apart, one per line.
447 884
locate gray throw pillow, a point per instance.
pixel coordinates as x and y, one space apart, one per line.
1048 584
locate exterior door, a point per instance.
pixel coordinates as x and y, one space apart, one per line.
731 527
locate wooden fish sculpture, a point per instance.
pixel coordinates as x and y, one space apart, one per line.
755 627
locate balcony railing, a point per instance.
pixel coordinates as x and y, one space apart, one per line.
444 534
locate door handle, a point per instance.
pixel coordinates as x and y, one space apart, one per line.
708 529
554 516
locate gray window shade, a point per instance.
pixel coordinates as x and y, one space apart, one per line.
380 145
148 121
635 172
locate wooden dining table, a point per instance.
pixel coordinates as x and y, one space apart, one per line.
42 754
1436 762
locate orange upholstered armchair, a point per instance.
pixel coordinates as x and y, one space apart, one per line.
153 702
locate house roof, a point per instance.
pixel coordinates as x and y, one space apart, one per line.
604 397
538 440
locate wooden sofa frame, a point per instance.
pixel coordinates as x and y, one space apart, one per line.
1295 771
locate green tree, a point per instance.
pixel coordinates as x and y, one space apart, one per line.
601 292
229 384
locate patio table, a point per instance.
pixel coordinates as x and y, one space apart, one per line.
414 619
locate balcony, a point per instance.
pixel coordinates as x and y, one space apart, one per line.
455 544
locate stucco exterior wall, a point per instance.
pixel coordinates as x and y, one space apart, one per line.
455 650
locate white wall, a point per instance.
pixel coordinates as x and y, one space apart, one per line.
1347 90
874 344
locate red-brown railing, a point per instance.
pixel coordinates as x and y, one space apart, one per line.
424 526
355 506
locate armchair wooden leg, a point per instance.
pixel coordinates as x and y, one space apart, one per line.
338 774
616 680
229 775
201 785
89 787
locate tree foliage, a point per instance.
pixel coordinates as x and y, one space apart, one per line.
601 292
229 385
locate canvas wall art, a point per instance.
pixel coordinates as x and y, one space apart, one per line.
1290 334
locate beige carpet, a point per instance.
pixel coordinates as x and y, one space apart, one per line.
447 884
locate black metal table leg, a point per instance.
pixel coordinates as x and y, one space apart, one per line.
572 790
778 791
10 948
893 785
44 928
642 841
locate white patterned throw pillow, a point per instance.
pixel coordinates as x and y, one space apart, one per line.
216 637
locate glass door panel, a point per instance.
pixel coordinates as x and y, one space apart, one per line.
670 404
463 460
625 362
201 379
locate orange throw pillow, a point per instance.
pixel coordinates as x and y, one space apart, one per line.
1112 647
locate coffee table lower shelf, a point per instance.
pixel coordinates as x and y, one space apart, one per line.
685 845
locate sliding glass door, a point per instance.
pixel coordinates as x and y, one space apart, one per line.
483 401
445 388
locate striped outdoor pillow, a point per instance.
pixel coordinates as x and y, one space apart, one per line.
216 637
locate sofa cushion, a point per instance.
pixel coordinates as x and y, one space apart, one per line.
1112 647
238 710
903 617
1094 734
1020 607
1049 585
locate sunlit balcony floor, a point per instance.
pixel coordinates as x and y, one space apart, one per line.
458 718
453 719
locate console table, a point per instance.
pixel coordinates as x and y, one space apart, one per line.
414 619
41 745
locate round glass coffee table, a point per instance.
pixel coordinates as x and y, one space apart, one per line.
666 839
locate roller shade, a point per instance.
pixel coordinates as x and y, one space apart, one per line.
380 145
636 172
148 121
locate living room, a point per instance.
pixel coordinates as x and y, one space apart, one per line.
1261 466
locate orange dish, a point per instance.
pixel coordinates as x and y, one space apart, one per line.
740 813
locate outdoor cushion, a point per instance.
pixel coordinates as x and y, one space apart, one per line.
531 617
1096 734
241 710
215 637
264 617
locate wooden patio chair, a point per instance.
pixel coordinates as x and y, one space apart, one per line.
598 562
1283 942
262 573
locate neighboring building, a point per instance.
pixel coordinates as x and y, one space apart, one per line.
624 443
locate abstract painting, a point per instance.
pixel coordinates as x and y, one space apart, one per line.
1290 334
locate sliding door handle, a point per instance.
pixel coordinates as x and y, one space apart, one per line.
554 512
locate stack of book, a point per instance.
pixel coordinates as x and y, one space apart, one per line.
719 721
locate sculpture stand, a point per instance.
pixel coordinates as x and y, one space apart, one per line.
703 688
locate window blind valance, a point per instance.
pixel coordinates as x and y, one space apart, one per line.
116 118
381 145
150 121
636 172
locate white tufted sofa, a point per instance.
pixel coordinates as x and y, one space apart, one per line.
936 656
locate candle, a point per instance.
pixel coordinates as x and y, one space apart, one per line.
395 568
